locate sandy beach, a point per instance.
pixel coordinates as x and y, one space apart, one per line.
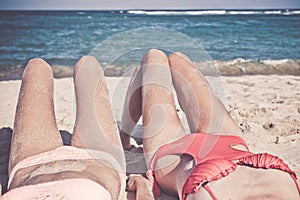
267 108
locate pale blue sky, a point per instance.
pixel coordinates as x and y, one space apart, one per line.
147 4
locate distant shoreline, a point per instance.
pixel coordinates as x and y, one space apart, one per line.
236 67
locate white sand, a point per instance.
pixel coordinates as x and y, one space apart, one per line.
266 107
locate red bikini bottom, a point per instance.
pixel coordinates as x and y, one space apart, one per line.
214 158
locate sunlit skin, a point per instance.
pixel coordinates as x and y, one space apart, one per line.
35 127
211 116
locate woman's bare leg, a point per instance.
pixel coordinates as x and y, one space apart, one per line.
204 111
35 129
212 117
160 119
95 127
132 109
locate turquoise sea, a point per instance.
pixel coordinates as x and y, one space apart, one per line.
255 37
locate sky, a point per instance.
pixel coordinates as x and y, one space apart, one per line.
145 4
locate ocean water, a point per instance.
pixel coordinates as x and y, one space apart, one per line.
260 37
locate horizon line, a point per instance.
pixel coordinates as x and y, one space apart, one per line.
148 9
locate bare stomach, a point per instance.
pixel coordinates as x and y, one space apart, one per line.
93 170
251 183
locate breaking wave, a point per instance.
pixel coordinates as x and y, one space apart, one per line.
213 12
235 67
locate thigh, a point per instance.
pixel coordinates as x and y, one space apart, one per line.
173 179
35 129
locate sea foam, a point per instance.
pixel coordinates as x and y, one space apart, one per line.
235 67
213 12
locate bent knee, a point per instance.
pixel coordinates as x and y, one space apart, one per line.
38 65
90 64
155 56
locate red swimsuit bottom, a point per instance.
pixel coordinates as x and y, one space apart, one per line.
214 158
